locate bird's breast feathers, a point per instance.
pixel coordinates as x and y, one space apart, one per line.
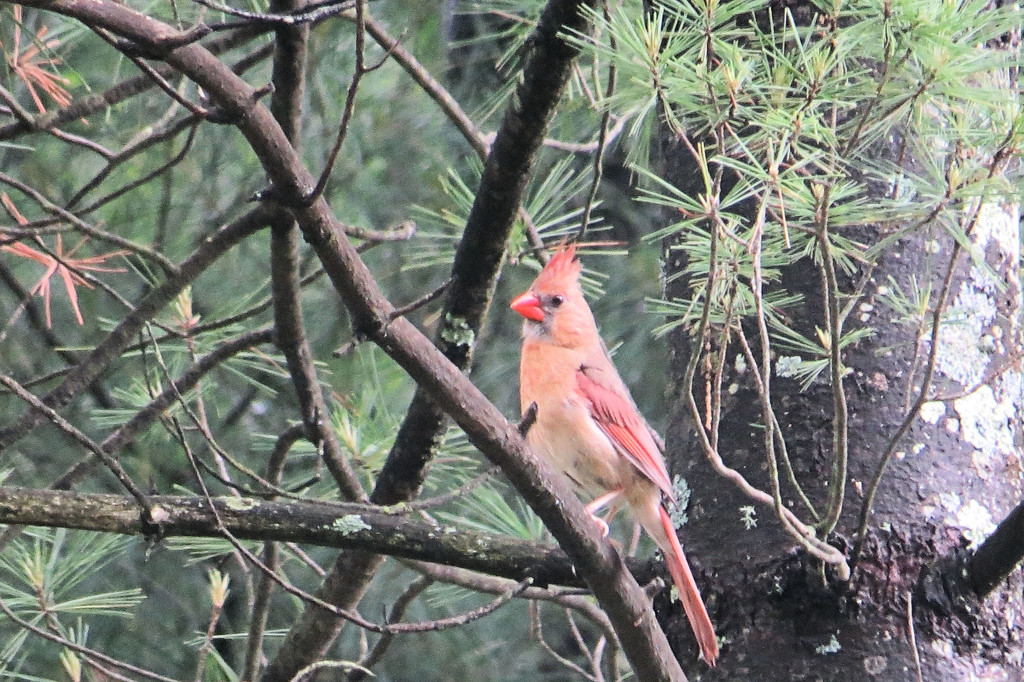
566 436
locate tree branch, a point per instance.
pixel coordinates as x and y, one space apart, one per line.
90 104
286 105
548 494
342 525
444 100
999 555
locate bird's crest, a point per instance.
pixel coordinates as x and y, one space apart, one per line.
563 267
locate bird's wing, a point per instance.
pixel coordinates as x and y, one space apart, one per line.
617 416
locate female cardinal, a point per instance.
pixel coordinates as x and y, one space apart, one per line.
588 427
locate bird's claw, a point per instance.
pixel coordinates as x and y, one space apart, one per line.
528 420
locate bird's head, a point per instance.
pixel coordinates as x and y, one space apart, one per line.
553 306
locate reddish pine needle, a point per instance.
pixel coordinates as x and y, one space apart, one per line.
60 263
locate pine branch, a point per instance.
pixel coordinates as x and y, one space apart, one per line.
341 525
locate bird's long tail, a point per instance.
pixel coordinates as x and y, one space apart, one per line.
658 524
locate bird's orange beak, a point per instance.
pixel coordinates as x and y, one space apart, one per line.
528 305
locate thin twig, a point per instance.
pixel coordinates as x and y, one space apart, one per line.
457 493
767 412
426 299
602 140
85 228
613 133
400 232
153 74
252 311
404 600
151 175
306 559
29 119
78 648
592 657
840 411
83 440
202 425
444 100
538 633
777 427
350 101
579 601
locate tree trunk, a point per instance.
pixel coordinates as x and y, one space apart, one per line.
906 613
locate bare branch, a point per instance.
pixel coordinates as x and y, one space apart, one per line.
448 104
343 525
407 597
291 339
999 555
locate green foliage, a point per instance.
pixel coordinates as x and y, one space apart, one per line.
800 121
47 571
48 576
494 510
552 203
203 550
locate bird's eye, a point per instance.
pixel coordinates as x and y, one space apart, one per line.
557 300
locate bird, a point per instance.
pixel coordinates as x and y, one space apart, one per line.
587 426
